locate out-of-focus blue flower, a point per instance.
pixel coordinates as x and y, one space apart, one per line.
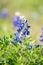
41 40
4 13
37 45
41 37
30 47
16 21
42 28
0 13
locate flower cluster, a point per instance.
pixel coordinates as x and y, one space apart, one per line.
22 28
41 37
22 32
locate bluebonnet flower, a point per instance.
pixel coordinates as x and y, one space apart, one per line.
22 27
16 35
28 26
19 30
17 38
25 21
30 47
4 13
26 32
37 45
41 37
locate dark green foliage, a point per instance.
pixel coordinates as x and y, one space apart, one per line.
19 54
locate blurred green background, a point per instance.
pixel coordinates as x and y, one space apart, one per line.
32 9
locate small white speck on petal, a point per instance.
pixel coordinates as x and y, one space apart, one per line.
20 34
22 17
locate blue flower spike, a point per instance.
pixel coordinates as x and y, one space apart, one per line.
22 26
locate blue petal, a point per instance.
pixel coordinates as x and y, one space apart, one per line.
25 31
37 45
28 26
41 40
41 36
42 28
19 30
30 47
28 32
25 21
16 21
22 25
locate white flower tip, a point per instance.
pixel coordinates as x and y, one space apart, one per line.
22 17
17 14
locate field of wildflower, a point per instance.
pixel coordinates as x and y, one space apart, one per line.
21 32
